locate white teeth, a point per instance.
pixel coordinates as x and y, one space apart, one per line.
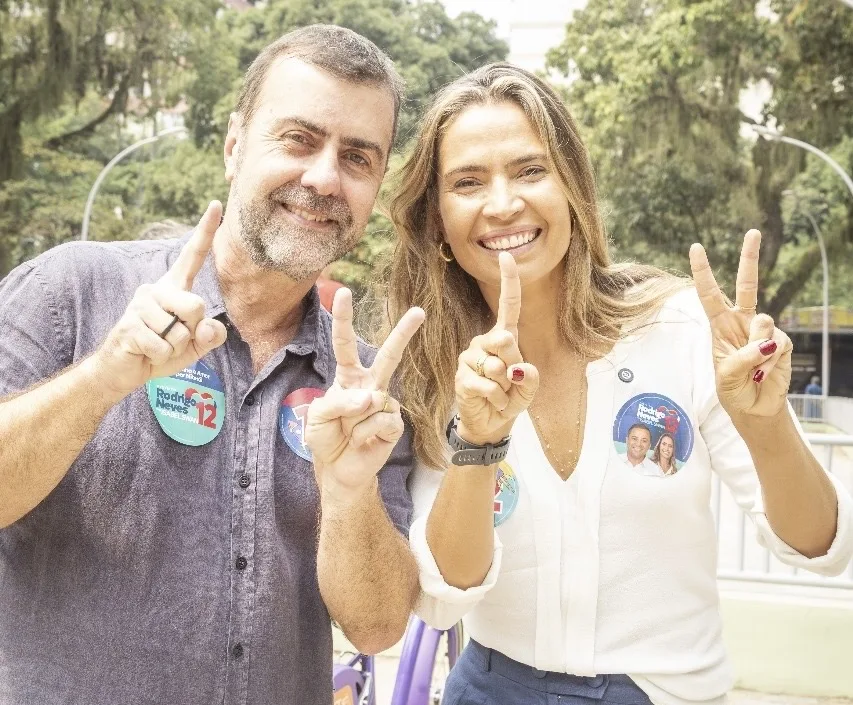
513 241
308 216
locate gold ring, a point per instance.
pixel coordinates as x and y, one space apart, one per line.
746 309
480 363
385 405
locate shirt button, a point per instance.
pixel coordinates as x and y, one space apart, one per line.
250 400
241 563
237 651
245 481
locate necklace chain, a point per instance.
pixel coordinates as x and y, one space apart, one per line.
574 451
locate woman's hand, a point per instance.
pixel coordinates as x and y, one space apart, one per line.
493 383
752 358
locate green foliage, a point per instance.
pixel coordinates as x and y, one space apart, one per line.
658 87
193 52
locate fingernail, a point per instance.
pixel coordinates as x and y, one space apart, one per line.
517 375
768 347
758 376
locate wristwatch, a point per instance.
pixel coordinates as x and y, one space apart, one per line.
466 453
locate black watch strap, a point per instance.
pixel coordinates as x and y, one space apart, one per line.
465 453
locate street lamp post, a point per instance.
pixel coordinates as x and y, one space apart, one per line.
824 361
778 137
90 201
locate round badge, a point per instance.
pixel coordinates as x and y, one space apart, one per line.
506 493
291 419
653 435
189 405
626 375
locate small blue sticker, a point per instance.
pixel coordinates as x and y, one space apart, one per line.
189 405
664 434
506 493
291 419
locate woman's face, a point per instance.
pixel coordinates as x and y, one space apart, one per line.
498 192
666 448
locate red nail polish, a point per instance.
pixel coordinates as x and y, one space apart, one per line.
768 347
758 376
517 375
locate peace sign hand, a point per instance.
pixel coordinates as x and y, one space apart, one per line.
352 430
163 329
493 383
752 358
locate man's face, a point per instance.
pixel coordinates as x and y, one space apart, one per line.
306 170
639 441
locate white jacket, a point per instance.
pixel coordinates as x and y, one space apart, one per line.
614 571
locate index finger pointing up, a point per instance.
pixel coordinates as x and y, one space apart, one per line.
183 272
712 298
509 304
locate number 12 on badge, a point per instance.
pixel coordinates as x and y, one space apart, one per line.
189 405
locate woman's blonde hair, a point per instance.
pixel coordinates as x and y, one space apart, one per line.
595 307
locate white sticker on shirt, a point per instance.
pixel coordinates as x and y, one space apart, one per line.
653 435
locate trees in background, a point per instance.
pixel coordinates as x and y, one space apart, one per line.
78 80
662 88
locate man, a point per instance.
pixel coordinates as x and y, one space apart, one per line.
157 491
638 440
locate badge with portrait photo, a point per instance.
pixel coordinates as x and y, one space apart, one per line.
652 435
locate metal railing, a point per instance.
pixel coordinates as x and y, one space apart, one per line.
756 564
809 407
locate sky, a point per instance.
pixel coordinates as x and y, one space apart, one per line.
531 26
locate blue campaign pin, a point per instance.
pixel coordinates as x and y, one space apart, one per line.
291 419
506 493
189 405
626 375
665 421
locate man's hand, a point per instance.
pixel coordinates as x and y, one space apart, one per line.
352 430
134 350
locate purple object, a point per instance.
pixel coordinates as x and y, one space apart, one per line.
353 681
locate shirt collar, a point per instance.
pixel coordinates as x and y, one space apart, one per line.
314 336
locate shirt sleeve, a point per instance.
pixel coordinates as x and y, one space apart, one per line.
441 605
35 344
393 483
731 460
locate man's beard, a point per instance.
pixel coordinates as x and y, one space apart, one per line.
276 242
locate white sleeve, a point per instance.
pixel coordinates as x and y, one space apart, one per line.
440 605
731 460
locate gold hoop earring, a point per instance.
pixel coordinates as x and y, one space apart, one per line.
446 257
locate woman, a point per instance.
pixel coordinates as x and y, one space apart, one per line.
565 567
664 454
